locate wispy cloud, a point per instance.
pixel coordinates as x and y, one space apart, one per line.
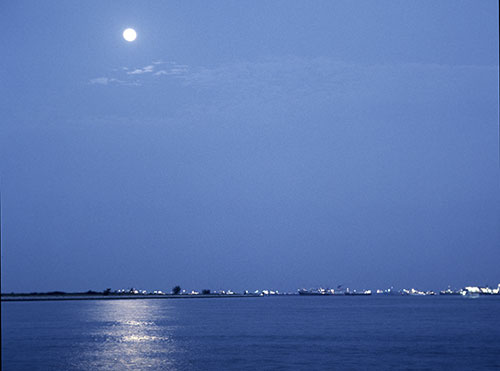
173 70
276 76
112 81
162 72
291 76
140 71
123 75
326 77
104 81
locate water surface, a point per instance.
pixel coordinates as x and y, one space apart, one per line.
273 333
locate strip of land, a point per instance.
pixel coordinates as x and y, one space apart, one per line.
8 298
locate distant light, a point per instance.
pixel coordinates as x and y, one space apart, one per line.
129 34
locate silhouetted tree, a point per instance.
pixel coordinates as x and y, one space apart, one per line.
205 292
176 290
106 292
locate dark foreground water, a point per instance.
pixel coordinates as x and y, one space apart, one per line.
303 333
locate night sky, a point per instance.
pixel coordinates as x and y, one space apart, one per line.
249 145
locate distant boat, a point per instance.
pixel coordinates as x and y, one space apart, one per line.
358 293
330 292
450 292
318 292
311 292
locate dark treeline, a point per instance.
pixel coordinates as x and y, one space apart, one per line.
176 290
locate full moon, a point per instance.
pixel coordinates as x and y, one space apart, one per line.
129 34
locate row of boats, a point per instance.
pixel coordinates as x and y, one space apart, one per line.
322 291
468 291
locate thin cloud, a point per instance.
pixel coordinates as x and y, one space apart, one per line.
177 70
140 71
112 81
275 76
162 72
104 81
123 75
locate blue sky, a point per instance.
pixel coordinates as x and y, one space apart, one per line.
236 145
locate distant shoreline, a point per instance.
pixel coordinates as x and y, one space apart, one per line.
69 297
27 297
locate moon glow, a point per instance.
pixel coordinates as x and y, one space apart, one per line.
129 34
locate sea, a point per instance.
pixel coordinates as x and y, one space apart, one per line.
261 333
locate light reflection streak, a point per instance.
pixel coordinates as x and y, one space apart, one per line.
126 335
